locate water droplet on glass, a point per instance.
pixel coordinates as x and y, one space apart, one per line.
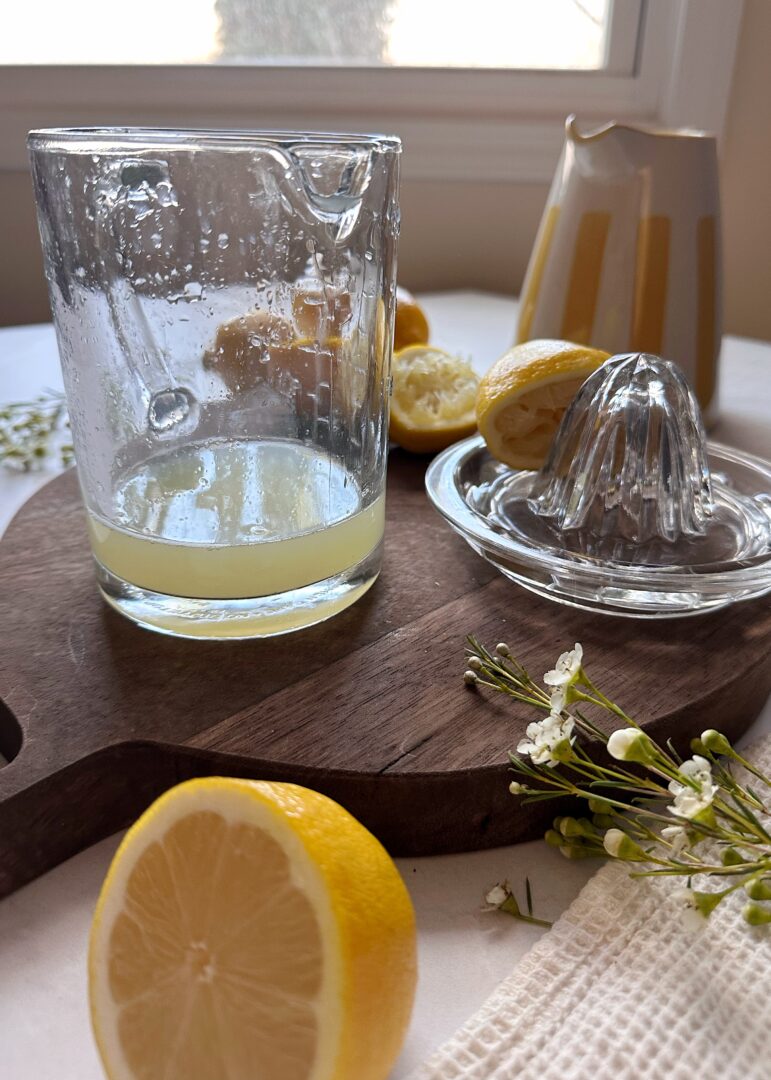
223 240
170 408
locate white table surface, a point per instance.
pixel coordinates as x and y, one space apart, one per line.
463 954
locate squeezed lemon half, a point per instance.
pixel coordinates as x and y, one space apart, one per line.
433 399
523 397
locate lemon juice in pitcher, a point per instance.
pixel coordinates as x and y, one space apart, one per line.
231 520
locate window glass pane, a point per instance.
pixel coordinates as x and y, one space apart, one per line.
561 34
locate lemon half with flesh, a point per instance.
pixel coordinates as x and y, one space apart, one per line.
250 929
524 395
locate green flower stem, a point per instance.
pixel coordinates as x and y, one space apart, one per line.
749 767
511 907
510 692
725 810
729 782
641 783
752 869
603 702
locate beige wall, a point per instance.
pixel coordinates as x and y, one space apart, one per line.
464 235
746 180
22 288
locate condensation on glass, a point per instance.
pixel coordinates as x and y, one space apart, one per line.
223 304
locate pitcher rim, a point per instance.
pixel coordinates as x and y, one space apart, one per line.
572 132
87 139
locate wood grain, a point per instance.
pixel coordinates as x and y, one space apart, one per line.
100 716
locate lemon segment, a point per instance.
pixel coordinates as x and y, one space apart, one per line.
410 322
246 929
523 397
433 399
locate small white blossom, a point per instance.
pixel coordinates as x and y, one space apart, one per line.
690 915
544 737
496 896
516 788
691 799
557 702
565 672
677 836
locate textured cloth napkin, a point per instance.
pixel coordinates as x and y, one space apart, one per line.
620 989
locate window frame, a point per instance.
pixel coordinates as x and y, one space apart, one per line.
457 125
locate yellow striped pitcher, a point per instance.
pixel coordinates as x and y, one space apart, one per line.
627 256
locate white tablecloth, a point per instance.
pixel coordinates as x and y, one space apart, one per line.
463 954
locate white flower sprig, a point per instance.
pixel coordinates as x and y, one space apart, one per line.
32 431
691 819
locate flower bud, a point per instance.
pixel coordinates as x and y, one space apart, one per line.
570 826
603 821
502 649
475 663
600 806
577 851
631 744
697 746
469 678
756 915
714 741
621 846
759 890
731 857
553 838
516 788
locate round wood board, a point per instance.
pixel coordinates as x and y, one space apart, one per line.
100 716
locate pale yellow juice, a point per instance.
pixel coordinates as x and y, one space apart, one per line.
231 520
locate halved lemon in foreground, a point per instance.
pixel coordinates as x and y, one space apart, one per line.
433 399
524 395
250 930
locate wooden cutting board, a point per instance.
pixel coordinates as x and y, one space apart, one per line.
98 716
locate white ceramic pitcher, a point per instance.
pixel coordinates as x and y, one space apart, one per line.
627 257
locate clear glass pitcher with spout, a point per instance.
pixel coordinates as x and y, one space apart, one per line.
628 257
223 305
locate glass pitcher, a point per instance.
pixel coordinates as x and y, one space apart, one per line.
223 305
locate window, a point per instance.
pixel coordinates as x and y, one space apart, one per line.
477 89
506 34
